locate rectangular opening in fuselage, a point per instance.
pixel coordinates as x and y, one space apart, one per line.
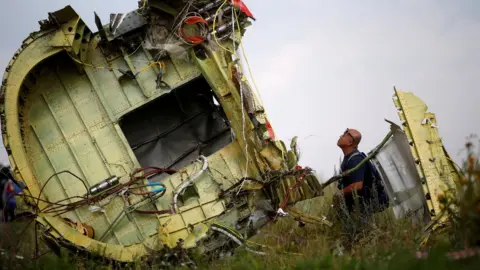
176 128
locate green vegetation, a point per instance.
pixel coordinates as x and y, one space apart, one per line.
387 244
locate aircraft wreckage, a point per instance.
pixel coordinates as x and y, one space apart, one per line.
145 136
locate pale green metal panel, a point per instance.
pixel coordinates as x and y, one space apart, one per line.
56 151
52 118
83 105
42 168
221 172
184 68
72 128
145 79
105 83
64 141
108 87
129 87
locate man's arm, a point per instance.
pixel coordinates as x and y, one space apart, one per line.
356 177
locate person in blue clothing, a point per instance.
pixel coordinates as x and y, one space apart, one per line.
9 188
354 201
352 184
8 198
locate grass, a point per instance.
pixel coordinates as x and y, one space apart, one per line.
320 247
389 244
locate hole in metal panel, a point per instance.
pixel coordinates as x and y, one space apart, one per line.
175 129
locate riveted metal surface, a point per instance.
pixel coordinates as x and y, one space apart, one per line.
434 163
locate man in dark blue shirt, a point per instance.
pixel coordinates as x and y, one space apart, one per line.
351 186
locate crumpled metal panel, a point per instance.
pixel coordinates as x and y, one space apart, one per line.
70 114
397 168
121 23
433 162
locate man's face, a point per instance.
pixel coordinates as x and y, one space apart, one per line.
345 139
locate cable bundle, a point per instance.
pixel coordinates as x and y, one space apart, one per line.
194 20
60 207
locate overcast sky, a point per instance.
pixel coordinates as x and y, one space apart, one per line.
322 66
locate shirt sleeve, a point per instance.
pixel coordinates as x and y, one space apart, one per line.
356 176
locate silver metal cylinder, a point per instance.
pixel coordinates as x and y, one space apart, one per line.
104 185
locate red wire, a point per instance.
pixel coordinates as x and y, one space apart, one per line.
287 196
61 209
154 171
193 20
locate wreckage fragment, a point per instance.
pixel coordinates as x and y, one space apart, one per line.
437 171
139 139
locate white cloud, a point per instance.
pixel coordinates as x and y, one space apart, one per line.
284 69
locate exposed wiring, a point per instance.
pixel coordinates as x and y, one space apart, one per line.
161 65
161 189
194 40
144 4
116 190
56 174
42 200
75 59
234 14
241 79
154 212
183 13
286 199
245 173
257 92
189 182
214 29
135 51
240 83
84 63
60 209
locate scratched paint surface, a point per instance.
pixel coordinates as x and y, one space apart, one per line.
433 163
